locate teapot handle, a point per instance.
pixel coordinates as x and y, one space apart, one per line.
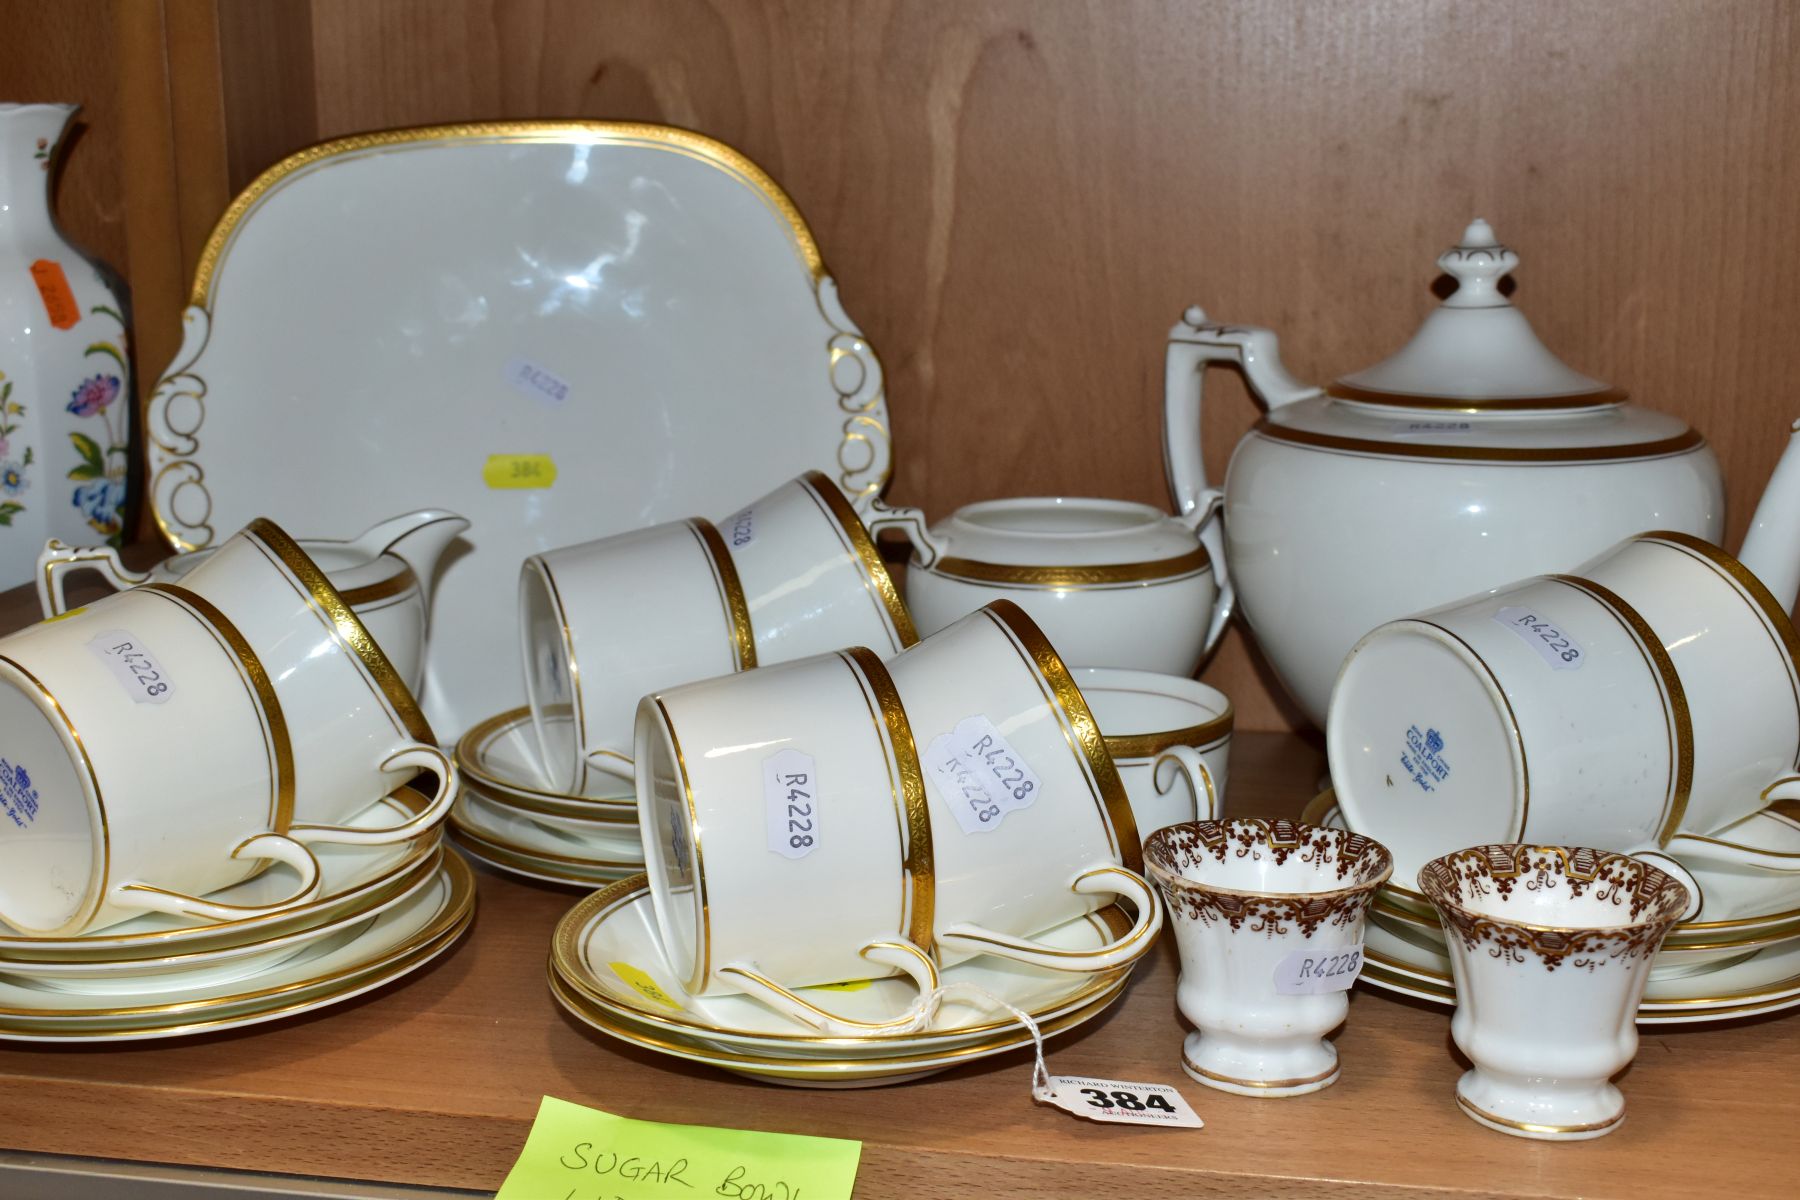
1195 342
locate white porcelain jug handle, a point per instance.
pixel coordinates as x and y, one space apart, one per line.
1185 760
1100 880
264 845
59 560
902 955
416 758
1194 342
909 521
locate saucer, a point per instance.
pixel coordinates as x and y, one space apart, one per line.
200 968
501 757
607 950
494 819
357 960
352 878
517 861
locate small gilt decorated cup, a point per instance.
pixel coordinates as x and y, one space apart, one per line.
1551 947
1268 916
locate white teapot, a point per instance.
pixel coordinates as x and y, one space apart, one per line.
1472 457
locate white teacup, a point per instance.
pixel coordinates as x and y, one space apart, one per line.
786 834
1030 823
606 622
1160 730
1244 896
1561 710
149 757
384 575
1551 948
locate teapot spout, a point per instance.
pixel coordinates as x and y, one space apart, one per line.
418 539
1772 547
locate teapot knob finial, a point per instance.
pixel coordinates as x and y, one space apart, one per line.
1478 263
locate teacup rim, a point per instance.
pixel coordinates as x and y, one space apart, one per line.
1162 873
1646 922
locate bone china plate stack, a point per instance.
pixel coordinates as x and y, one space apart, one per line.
381 912
1706 971
510 818
607 969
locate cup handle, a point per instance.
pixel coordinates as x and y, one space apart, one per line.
1185 760
421 760
1094 881
264 845
609 762
905 956
59 560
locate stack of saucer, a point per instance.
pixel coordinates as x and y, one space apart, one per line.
1741 962
380 913
509 816
607 968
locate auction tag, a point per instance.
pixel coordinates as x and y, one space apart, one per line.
579 1153
1542 634
790 802
519 471
1122 1103
53 288
740 527
133 666
536 382
1309 972
979 776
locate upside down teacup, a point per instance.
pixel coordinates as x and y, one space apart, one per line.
606 622
1260 908
1030 824
384 574
1551 948
786 836
1649 695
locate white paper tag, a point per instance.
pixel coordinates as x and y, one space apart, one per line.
790 801
1327 969
740 528
133 665
978 775
1121 1103
532 380
1544 635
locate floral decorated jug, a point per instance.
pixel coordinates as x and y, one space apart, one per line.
65 387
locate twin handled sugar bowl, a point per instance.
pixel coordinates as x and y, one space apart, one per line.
1472 457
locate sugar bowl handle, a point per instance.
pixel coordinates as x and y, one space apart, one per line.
879 515
59 560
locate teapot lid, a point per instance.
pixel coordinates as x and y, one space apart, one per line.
1476 351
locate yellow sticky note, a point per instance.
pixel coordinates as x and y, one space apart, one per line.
579 1153
645 984
519 471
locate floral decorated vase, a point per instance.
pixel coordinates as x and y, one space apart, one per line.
65 386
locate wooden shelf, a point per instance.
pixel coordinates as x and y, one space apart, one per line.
435 1080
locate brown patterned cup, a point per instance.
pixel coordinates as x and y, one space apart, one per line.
1268 915
1551 947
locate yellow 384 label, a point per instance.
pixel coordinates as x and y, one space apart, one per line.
519 471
